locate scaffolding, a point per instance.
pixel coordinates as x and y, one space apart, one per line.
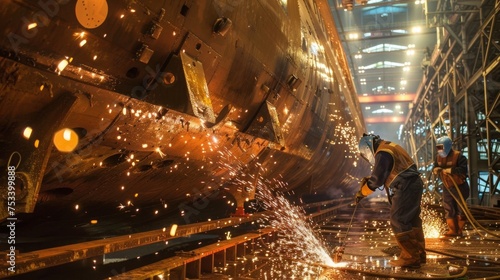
459 94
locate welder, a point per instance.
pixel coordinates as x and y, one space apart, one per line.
451 167
394 169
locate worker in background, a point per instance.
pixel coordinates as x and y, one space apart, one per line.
451 167
395 170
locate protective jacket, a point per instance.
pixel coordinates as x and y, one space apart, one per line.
402 161
449 162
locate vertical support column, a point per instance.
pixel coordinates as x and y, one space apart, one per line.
231 253
240 250
178 273
207 264
267 238
271 237
193 269
250 246
220 259
472 157
231 261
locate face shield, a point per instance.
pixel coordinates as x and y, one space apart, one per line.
443 146
440 150
366 149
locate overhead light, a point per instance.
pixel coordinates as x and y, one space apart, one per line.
348 4
62 64
65 140
27 132
416 29
173 230
353 36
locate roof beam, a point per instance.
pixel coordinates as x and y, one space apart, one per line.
385 119
408 97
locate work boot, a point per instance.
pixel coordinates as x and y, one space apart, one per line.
410 252
419 234
461 225
452 228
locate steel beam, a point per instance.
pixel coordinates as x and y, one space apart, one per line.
457 98
31 261
192 262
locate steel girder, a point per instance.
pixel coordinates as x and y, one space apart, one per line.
459 93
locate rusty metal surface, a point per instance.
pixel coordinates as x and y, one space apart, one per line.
139 164
70 253
163 267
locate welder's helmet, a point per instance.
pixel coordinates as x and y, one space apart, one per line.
367 147
443 146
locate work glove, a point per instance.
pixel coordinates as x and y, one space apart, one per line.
358 197
364 190
437 170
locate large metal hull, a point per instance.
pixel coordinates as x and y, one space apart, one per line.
179 107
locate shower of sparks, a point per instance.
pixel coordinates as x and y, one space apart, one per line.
300 252
298 241
432 223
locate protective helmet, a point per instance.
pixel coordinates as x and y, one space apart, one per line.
443 146
366 147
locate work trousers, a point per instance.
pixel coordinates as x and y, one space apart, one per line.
450 205
405 209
